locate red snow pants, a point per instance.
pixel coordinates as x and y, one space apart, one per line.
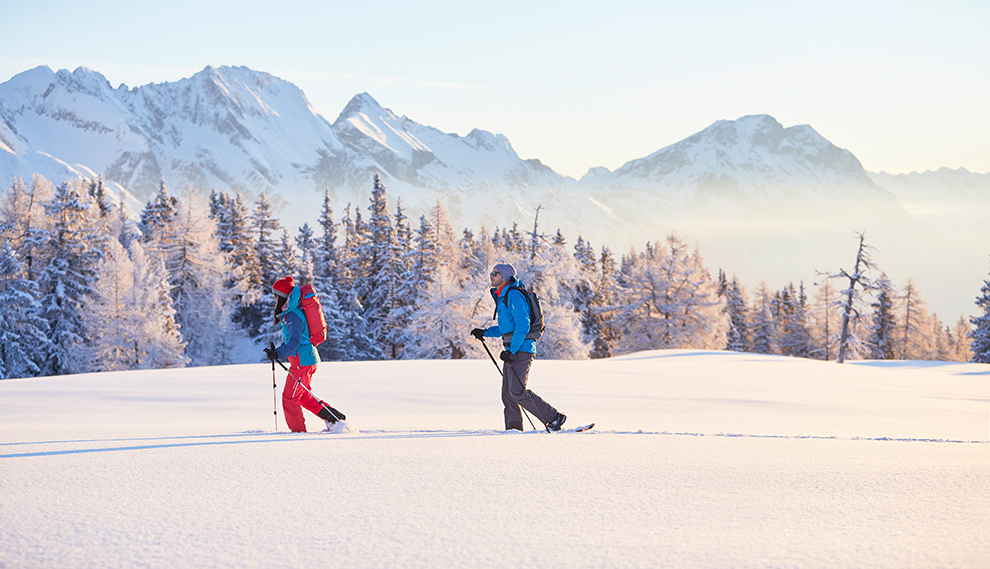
295 397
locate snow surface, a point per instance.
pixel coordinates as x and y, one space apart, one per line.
699 459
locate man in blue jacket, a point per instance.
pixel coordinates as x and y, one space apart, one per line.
512 310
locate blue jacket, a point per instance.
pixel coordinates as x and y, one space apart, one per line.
295 333
512 319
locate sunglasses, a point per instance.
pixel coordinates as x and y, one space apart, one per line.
493 273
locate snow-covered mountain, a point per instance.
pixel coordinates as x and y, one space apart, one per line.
227 128
943 191
232 128
760 200
750 167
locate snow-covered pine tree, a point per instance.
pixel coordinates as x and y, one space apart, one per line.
825 321
552 274
914 335
355 268
326 258
198 275
881 342
941 349
351 283
24 342
306 244
593 294
959 348
604 331
110 317
339 344
385 272
265 230
71 246
737 337
979 336
763 325
25 224
849 342
159 342
436 327
98 192
287 257
236 241
794 336
668 300
585 296
158 213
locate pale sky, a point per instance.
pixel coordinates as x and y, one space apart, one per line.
903 85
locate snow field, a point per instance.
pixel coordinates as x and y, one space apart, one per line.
699 459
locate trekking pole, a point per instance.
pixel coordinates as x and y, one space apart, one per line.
274 385
520 384
333 412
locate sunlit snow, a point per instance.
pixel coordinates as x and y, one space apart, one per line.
698 459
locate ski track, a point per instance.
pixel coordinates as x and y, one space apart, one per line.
267 437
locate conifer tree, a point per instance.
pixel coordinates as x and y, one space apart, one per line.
306 244
790 313
25 224
604 333
110 316
737 337
384 265
198 274
326 258
552 274
882 329
286 258
980 334
959 348
64 282
98 192
160 342
914 337
764 327
265 231
236 241
849 342
24 342
668 300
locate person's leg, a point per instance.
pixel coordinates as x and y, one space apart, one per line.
518 377
513 416
295 397
292 407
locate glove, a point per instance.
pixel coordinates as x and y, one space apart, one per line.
478 333
271 352
505 356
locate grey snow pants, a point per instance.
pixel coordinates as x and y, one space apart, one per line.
515 376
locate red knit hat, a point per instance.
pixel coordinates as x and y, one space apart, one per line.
283 286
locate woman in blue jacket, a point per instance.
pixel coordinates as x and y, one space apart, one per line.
512 310
302 357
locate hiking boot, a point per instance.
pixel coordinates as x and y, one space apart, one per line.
330 415
557 423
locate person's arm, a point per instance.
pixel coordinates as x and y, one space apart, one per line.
519 309
294 325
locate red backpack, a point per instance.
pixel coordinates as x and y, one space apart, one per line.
316 322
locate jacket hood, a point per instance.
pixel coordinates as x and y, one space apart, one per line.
293 302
